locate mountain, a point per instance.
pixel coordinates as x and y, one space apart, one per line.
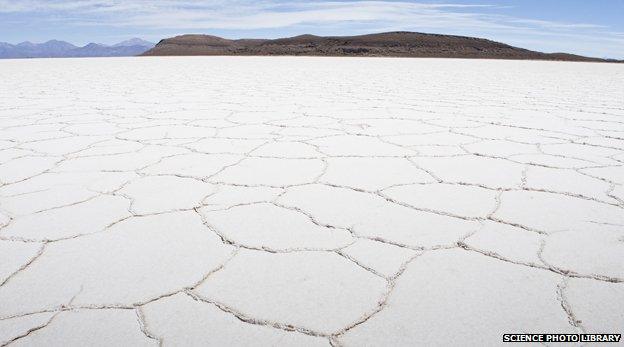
134 42
28 49
390 44
62 49
98 50
26 44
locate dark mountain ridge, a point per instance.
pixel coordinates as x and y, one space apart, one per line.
390 44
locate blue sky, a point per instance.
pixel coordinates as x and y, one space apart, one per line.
589 27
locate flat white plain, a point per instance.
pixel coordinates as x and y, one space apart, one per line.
309 201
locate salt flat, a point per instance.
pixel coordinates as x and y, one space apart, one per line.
309 201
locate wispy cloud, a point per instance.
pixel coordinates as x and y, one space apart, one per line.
240 14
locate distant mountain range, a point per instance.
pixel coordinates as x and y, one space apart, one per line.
62 49
390 44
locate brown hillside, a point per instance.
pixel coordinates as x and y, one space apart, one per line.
391 44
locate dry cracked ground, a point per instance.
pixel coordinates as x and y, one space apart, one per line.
308 201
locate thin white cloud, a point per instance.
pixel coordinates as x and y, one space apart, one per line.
219 14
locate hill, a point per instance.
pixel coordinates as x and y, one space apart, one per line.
391 44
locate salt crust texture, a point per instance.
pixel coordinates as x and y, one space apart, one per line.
308 201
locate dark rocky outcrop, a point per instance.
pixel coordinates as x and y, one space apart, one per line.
391 44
